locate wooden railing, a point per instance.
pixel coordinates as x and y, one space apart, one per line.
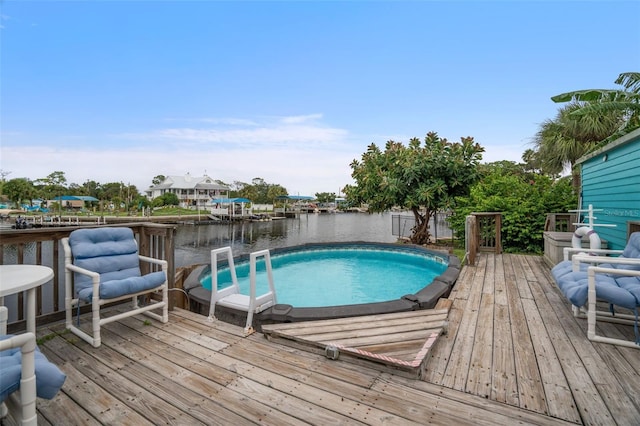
482 233
42 247
560 222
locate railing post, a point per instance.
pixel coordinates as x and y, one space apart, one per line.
471 239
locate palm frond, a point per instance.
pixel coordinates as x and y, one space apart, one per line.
588 95
630 81
608 107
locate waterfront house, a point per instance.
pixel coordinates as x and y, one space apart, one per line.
193 192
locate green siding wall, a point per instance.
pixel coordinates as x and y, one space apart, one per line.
611 182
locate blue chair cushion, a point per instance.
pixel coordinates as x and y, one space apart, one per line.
49 378
565 267
632 249
632 285
122 287
113 253
575 286
621 291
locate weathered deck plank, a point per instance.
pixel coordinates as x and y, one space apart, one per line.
504 379
402 341
529 381
595 390
479 379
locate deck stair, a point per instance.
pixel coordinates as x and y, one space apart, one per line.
231 297
397 342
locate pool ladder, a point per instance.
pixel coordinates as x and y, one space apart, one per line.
230 296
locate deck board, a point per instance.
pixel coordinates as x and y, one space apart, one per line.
401 340
457 370
513 354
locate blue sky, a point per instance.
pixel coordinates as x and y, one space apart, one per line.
290 92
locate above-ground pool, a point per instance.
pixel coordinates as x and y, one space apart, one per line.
337 280
331 276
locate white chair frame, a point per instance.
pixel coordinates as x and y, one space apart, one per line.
592 313
96 303
22 403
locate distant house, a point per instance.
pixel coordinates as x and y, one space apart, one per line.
68 202
193 192
611 182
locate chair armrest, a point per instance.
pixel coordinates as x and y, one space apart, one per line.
567 250
95 278
163 263
25 341
78 269
605 259
27 344
600 270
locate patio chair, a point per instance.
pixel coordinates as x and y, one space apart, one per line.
24 374
614 280
103 266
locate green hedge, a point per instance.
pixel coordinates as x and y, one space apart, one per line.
524 202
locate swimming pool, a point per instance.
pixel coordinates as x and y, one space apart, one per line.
345 274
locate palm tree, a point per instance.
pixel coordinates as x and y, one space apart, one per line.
562 141
605 101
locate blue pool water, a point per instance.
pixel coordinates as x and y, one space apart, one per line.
339 276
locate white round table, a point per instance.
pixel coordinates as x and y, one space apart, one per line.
18 278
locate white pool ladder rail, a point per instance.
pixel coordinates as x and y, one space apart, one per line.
230 296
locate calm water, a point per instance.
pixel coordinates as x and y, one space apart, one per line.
194 243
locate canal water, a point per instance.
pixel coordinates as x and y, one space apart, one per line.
194 242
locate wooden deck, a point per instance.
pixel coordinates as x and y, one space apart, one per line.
399 341
513 339
513 354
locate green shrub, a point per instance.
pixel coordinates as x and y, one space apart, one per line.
524 201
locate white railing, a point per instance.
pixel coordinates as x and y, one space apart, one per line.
230 296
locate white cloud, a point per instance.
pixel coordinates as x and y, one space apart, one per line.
298 152
260 135
301 118
219 121
300 170
303 157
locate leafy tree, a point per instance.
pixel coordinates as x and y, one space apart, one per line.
259 191
603 102
166 199
140 202
243 190
129 193
19 189
111 191
53 185
74 189
532 161
158 180
274 191
325 197
423 178
92 189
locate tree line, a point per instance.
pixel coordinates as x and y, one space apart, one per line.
23 191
